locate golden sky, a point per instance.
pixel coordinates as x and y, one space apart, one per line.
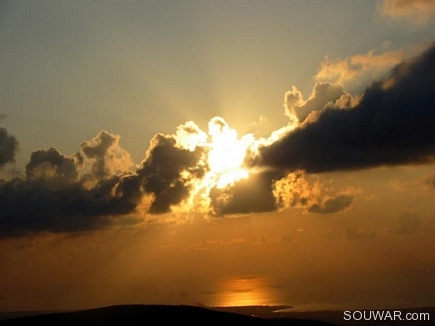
217 153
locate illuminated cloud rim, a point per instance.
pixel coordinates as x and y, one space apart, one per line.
392 124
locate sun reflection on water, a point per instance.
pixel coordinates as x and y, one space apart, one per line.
244 291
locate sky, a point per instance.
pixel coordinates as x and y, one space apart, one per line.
219 153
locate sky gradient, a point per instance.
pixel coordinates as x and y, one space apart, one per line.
217 153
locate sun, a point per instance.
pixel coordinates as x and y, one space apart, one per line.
223 158
226 155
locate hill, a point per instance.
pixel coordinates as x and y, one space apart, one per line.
127 315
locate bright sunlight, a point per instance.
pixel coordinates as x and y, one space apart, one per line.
223 157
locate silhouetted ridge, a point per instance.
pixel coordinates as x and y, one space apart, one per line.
141 314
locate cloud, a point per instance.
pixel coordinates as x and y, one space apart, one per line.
95 188
107 156
31 206
296 190
219 174
415 11
300 190
167 172
358 70
55 193
254 194
322 94
8 147
332 205
391 125
50 164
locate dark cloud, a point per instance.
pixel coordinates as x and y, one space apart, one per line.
55 195
167 171
94 189
254 194
332 205
28 206
51 164
392 124
8 147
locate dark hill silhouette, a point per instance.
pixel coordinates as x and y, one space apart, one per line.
127 315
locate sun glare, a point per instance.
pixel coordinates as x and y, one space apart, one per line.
226 155
223 156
